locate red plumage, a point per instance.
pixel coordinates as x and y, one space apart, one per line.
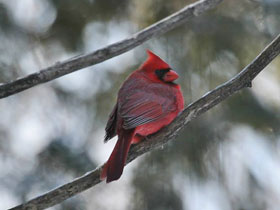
147 101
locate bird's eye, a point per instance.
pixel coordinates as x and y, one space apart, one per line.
161 72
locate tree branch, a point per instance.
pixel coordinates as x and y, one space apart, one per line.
98 56
192 111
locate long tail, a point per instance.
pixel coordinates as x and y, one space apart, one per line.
114 167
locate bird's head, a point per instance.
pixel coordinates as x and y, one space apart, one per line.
157 69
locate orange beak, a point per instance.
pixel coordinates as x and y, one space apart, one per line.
170 76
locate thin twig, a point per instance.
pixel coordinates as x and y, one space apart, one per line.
98 56
206 102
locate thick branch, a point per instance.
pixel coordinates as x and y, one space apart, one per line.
206 102
98 56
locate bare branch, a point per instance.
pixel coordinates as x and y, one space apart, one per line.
206 102
98 56
209 100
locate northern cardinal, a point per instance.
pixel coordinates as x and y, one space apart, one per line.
147 101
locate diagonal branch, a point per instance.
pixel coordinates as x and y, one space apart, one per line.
206 102
98 56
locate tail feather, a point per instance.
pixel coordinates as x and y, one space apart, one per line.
113 169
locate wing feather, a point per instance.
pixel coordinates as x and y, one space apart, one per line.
141 108
111 127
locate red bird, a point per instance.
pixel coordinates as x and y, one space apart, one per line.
147 101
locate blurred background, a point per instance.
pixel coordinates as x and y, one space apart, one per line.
227 159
